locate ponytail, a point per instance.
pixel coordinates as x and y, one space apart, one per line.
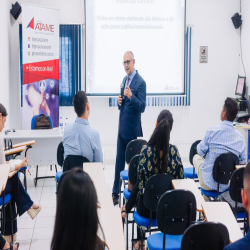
160 140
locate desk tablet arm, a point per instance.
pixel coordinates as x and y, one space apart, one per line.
28 147
16 154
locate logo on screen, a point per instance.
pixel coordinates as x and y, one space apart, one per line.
171 88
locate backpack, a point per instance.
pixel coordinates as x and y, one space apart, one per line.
42 122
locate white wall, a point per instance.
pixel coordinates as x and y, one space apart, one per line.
211 83
5 56
245 38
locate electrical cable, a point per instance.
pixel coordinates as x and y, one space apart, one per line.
241 46
241 54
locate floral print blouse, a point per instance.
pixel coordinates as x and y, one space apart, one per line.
148 165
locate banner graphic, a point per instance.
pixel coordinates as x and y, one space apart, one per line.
40 32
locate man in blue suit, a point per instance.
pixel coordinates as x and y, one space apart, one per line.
131 105
244 243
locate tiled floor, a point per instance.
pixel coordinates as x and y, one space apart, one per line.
37 234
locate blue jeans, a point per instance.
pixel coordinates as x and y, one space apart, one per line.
19 199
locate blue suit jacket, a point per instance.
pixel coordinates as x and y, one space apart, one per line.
130 110
242 244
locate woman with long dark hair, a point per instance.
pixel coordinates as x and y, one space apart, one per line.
19 196
157 157
77 222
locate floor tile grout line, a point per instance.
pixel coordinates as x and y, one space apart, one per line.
40 211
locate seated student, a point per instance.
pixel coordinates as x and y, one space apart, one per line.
219 140
157 157
4 245
76 222
244 243
19 196
79 138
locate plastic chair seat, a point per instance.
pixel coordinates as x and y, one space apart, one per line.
7 199
188 173
126 193
58 175
172 242
124 175
241 215
212 194
142 221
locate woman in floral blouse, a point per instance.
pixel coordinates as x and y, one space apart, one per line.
157 157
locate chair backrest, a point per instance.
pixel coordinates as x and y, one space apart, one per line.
224 166
60 154
8 145
155 187
193 151
132 170
134 148
175 212
72 161
33 120
236 185
60 181
205 236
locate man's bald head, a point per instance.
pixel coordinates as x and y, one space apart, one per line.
130 53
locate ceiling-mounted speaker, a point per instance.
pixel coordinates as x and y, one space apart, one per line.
16 10
237 22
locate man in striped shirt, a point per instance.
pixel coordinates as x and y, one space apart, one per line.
219 140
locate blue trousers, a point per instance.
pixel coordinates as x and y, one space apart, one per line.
120 162
19 199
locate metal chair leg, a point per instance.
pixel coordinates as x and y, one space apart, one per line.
25 180
56 168
127 233
36 175
120 192
132 240
2 222
11 221
3 214
141 239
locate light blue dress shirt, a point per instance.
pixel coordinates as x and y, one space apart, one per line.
130 79
80 139
218 140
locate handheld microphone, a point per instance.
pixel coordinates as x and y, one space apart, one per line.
122 90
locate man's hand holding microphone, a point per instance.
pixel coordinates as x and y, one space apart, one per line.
127 92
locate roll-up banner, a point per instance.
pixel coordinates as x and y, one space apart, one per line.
40 38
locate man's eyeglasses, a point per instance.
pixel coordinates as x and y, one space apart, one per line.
127 62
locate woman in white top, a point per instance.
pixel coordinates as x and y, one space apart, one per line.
19 197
